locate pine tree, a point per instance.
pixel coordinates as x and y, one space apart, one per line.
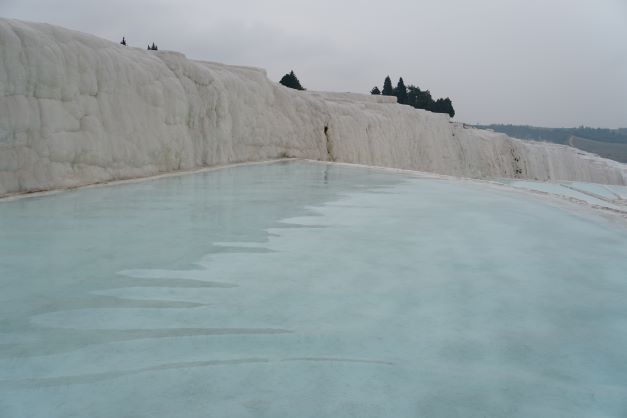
401 91
148 47
123 41
413 96
290 80
438 106
375 91
448 107
387 87
443 106
426 101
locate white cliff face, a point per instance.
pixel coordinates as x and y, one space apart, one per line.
76 110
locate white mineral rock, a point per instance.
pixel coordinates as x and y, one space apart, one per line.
76 110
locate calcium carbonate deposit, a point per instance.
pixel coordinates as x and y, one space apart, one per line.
311 290
77 110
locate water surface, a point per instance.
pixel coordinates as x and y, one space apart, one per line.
309 290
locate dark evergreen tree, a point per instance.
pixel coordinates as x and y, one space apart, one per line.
425 101
448 107
443 106
123 41
290 80
413 96
387 87
375 91
438 106
148 47
401 91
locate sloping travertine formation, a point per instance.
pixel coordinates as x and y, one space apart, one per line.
76 110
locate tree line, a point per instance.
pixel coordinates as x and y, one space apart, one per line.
408 95
560 135
152 47
412 95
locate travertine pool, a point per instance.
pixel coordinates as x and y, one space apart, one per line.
306 290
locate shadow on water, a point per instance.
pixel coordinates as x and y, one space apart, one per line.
97 377
59 340
57 251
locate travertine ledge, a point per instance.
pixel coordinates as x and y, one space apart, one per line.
78 110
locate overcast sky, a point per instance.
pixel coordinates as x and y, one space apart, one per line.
539 62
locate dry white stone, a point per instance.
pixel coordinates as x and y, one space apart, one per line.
77 110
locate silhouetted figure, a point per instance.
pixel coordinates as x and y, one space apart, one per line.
123 41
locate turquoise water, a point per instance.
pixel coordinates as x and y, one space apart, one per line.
309 290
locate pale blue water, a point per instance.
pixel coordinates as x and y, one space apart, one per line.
305 290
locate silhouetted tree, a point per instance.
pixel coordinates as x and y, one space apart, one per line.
413 96
425 101
413 93
123 41
149 47
387 87
290 80
375 91
443 106
401 91
438 106
448 107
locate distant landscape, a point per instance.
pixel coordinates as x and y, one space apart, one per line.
608 143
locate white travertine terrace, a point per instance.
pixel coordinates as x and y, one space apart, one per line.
77 110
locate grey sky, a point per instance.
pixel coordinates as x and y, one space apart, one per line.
548 63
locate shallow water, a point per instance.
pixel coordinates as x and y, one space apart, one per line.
309 290
612 197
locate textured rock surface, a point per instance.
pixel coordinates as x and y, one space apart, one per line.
76 109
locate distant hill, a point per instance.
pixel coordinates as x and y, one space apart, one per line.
608 143
610 150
